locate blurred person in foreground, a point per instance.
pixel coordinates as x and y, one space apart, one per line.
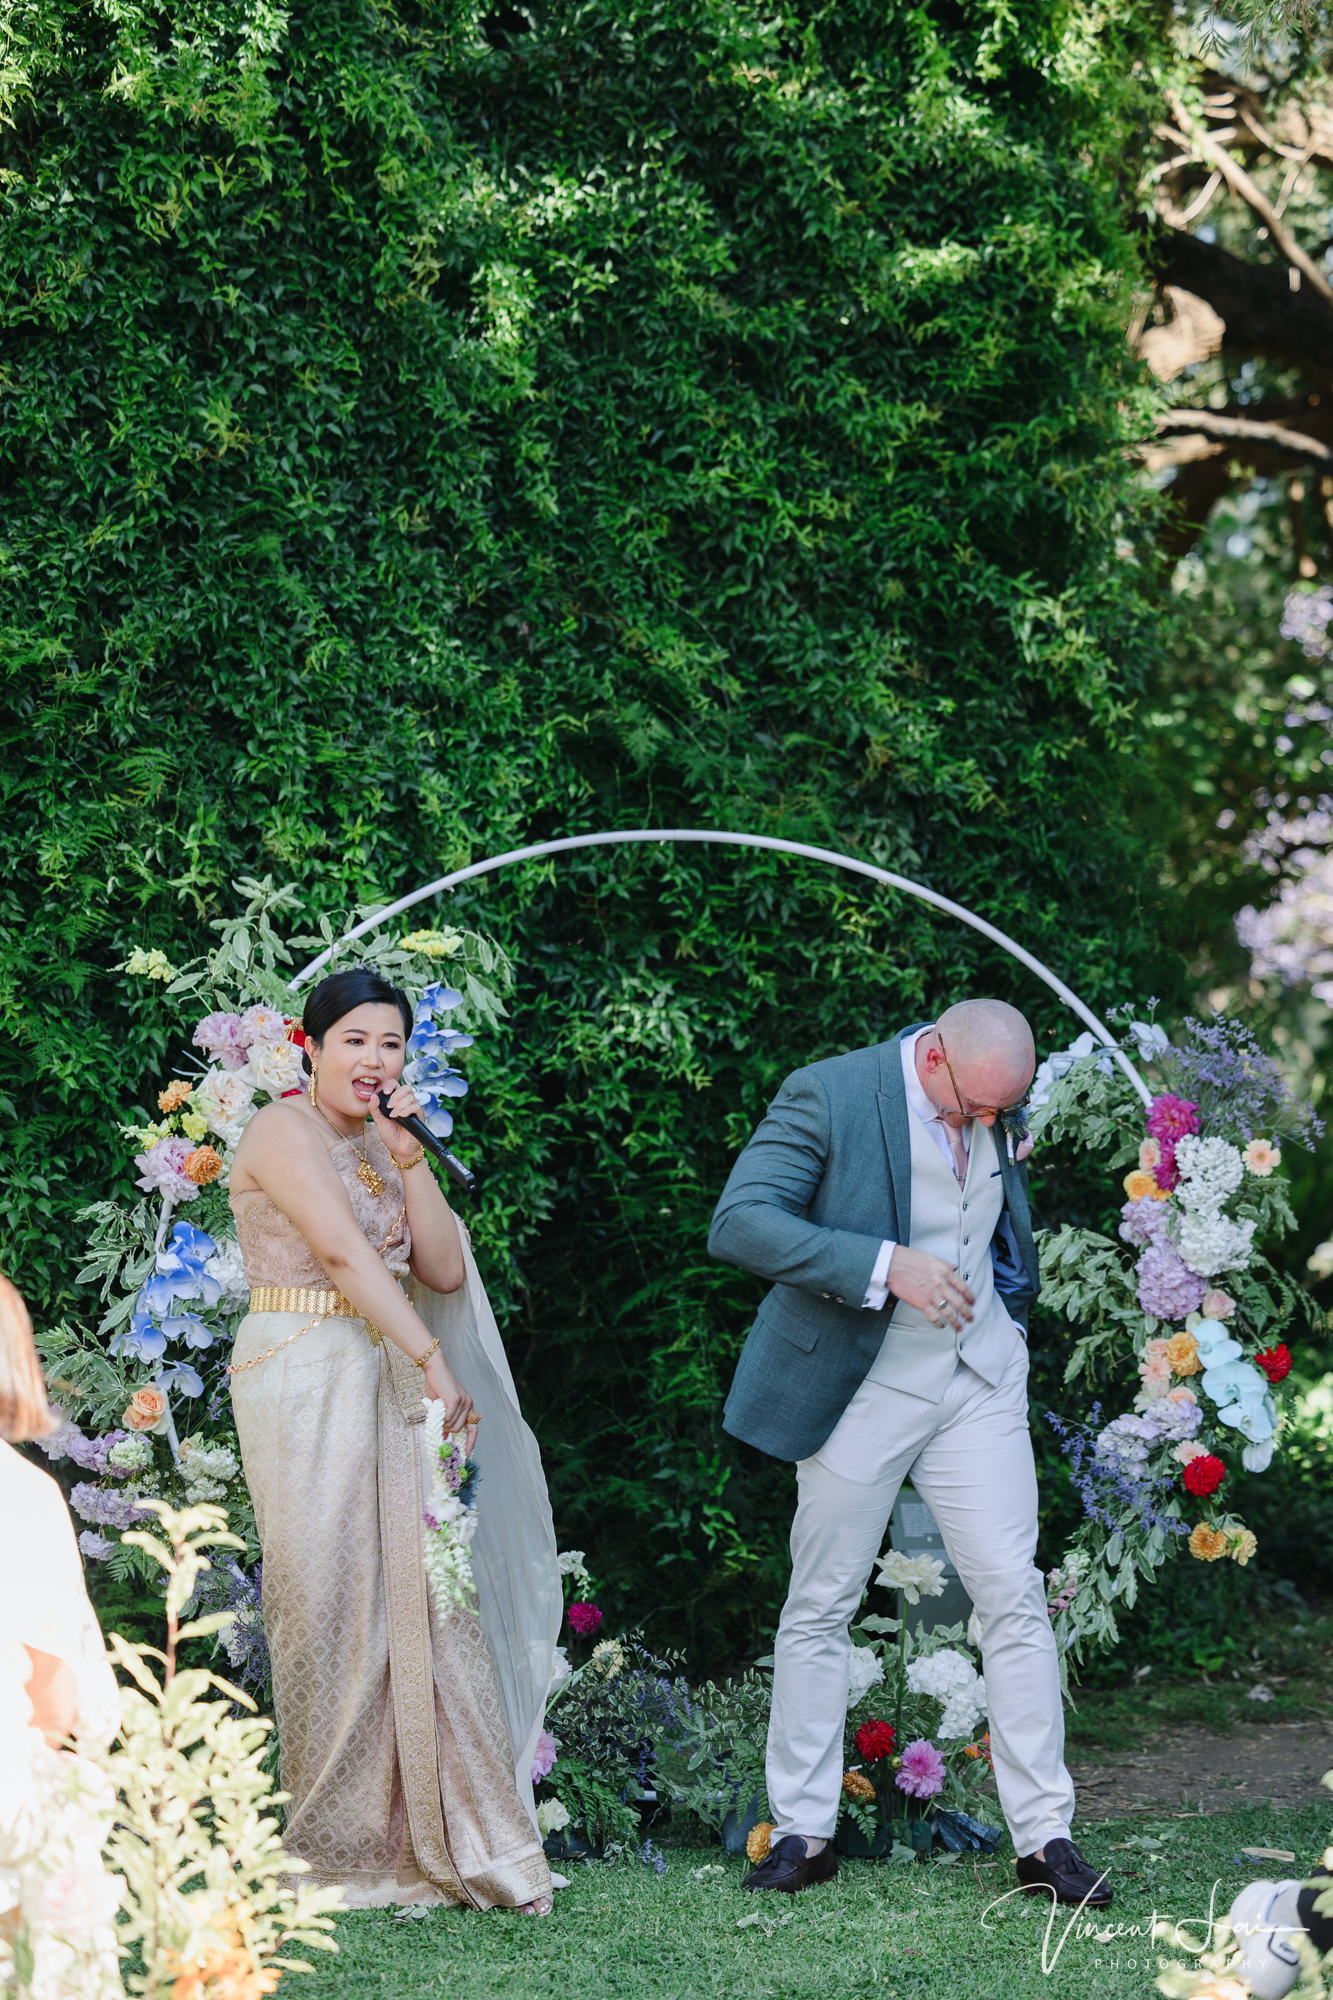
891 1219
57 1692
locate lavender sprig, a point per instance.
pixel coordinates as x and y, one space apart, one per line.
1102 1482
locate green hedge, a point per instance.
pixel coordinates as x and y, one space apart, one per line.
421 434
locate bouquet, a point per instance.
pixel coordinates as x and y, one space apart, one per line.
450 1515
1185 1299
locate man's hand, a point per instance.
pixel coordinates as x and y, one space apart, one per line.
932 1286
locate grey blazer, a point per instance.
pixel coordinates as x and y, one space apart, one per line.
826 1177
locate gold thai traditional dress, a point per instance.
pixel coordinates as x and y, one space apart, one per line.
393 1735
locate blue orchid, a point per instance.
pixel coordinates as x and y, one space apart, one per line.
179 1375
1215 1344
1255 1421
1235 1382
436 998
180 1272
189 1328
141 1340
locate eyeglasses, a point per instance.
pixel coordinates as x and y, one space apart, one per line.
981 1110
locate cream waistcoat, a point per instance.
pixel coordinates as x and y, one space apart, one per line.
956 1224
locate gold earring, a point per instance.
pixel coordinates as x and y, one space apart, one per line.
314 1087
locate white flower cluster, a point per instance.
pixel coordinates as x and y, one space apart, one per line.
450 1523
131 1454
227 1101
227 1265
1208 1241
865 1670
570 1562
916 1576
951 1679
207 1470
1210 1171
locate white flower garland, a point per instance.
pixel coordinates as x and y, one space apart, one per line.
450 1516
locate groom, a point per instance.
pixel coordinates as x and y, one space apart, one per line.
879 1198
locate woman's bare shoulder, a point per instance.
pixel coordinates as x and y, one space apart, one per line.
283 1130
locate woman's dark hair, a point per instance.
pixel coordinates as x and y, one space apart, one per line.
341 994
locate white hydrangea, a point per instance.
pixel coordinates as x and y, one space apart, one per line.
1210 1171
131 1454
1212 1243
951 1679
228 1266
206 1471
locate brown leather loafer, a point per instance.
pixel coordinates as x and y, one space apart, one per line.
1065 1875
788 1868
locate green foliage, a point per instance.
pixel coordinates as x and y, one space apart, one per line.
207 1884
419 435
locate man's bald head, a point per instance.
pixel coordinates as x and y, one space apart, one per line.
990 1050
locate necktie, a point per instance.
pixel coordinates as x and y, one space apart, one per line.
953 1134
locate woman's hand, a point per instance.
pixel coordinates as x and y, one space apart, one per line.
404 1103
443 1387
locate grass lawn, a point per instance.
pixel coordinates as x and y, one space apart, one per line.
881 1929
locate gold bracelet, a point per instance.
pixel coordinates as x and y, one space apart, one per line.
421 1364
406 1166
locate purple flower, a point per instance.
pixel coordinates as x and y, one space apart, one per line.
1141 1221
162 1170
543 1757
922 1773
1127 1440
219 1036
1175 1416
104 1508
1111 1490
91 1454
1167 1287
96 1547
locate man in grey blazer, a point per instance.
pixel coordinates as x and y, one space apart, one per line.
889 1212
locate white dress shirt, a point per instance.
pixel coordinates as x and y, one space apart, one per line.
877 1291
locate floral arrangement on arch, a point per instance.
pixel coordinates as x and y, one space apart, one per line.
1183 1302
169 1268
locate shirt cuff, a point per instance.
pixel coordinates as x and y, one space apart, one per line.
877 1291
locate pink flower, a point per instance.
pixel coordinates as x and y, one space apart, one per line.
585 1619
1217 1305
219 1036
1150 1155
543 1757
258 1024
1261 1156
1173 1118
922 1773
162 1170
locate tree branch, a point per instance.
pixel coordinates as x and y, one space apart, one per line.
1277 437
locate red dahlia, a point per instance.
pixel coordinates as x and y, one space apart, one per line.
1204 1475
875 1740
1275 1362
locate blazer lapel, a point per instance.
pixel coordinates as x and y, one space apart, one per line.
1014 1182
893 1116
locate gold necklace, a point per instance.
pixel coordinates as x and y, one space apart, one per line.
365 1173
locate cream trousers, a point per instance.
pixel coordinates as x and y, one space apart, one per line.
970 1458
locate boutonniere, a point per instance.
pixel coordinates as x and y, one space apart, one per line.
1015 1124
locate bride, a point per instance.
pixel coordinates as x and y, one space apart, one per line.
406 1743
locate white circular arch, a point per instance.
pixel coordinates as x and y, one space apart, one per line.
717 839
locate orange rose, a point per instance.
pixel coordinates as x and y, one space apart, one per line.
202 1166
1207 1543
857 1787
175 1094
1183 1355
1140 1186
759 1842
145 1410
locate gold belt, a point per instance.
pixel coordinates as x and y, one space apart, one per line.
297 1299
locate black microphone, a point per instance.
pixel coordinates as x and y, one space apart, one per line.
420 1130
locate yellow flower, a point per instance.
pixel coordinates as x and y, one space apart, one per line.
1139 1186
194 1125
149 964
857 1787
759 1842
1243 1545
1207 1543
432 944
1183 1355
